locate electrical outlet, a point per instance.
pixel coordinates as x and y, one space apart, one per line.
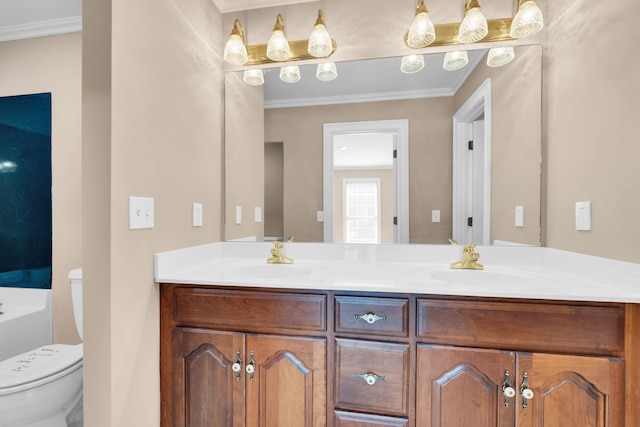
583 216
140 212
435 216
320 216
196 215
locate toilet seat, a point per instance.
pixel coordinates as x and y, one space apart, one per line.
39 366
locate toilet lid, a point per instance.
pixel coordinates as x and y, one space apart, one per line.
37 364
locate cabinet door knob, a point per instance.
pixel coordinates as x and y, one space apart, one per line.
507 390
251 367
237 366
525 391
370 378
370 318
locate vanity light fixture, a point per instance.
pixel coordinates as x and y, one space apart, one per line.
455 60
278 46
326 71
320 44
253 77
528 20
412 63
235 51
474 26
499 56
290 74
422 32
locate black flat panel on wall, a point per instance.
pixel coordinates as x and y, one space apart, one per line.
25 191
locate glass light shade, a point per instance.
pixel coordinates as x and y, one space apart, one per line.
235 52
474 26
412 63
499 56
320 44
290 74
421 33
527 21
253 77
278 47
326 72
455 60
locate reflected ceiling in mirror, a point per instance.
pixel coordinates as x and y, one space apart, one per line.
368 81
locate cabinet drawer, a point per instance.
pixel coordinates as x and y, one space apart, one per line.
523 326
380 316
383 396
353 419
249 310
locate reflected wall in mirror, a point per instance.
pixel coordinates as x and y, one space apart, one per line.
274 145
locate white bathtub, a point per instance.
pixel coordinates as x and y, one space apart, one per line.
26 322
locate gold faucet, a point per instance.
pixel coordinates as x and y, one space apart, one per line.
277 256
469 259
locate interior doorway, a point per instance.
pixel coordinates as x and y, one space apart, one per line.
398 131
472 169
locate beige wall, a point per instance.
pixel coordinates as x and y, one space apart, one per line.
430 157
273 189
52 64
152 126
591 104
516 135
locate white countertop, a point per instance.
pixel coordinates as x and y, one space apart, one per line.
509 271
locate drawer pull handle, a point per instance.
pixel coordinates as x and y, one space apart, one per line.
370 378
251 367
525 391
507 390
370 318
237 367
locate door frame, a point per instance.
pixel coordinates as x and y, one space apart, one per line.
479 103
400 128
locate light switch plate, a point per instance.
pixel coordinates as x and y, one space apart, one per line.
519 216
140 212
583 216
320 216
258 214
435 216
238 214
196 215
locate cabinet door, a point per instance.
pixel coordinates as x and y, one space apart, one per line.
572 391
206 391
458 387
289 388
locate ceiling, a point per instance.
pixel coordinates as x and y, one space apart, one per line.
23 19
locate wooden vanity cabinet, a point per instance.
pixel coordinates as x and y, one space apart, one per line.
263 372
356 359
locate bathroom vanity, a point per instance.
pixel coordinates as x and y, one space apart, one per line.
361 336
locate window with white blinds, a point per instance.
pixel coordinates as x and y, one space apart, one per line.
361 210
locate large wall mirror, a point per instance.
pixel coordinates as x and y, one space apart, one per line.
300 158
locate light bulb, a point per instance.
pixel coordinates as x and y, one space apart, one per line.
527 21
422 32
320 44
278 46
253 77
455 60
290 74
326 72
499 56
235 52
474 25
412 63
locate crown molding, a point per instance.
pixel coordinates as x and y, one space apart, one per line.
41 29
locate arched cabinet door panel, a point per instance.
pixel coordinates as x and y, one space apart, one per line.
572 391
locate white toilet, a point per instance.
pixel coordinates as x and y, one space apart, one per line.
43 387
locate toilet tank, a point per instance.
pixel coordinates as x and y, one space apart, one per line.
26 321
75 279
